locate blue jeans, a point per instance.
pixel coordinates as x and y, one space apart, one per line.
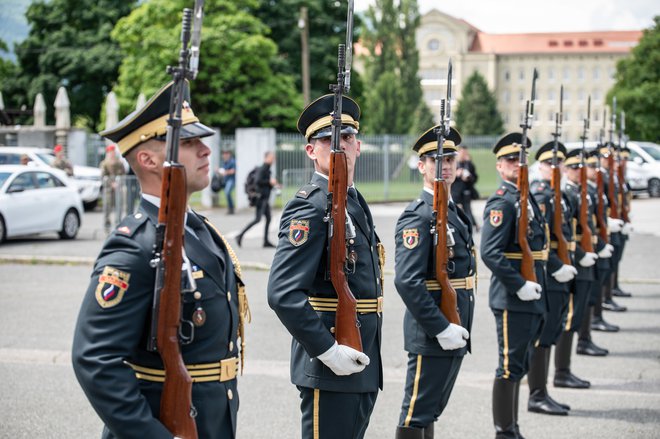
229 188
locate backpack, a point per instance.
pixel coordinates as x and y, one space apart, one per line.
251 188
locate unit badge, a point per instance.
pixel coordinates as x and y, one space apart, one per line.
112 285
298 232
496 218
410 238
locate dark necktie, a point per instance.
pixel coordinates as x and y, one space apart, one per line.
352 192
202 233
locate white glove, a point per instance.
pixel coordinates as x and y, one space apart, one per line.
606 252
565 273
453 337
627 229
614 225
344 360
530 291
588 259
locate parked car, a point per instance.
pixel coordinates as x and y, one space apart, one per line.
86 178
38 200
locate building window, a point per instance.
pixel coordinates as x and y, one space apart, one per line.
580 73
551 95
567 73
551 74
596 72
434 44
551 116
507 76
566 116
506 118
506 96
521 75
521 95
596 115
567 95
612 72
580 95
597 95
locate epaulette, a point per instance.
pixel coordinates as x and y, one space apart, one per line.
502 190
130 224
538 186
414 205
307 190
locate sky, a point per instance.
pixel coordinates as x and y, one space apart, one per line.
515 16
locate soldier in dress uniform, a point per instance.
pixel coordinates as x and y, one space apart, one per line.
435 347
557 283
61 162
581 285
338 385
111 168
519 305
586 346
627 228
120 376
618 229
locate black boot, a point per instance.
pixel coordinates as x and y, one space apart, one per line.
516 400
428 431
539 401
616 289
409 433
588 347
547 370
608 303
503 409
599 324
563 375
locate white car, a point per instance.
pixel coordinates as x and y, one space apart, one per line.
645 161
38 200
86 178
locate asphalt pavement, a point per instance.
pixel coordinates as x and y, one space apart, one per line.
43 280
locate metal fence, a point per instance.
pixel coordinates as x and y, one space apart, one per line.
385 171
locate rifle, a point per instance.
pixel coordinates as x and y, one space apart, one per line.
585 241
600 216
439 223
166 334
346 322
557 216
611 189
527 262
621 171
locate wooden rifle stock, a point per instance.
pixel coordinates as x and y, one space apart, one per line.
346 323
611 189
600 214
585 241
448 300
558 218
176 398
622 182
527 269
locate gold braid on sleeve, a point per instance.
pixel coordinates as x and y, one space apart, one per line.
244 314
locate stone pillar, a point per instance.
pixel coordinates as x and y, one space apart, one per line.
251 145
111 111
39 111
62 117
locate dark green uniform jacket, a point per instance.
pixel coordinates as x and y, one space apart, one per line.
415 265
545 197
572 191
499 236
299 272
113 327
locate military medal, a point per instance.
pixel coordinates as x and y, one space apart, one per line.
199 317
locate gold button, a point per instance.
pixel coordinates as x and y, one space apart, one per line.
231 345
197 295
230 394
332 330
228 296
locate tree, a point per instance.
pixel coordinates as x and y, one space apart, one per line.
7 68
637 87
392 67
68 45
327 29
476 113
236 85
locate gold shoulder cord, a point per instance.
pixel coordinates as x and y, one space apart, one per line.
381 264
244 314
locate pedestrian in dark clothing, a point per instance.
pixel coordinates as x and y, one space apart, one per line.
463 190
229 173
265 184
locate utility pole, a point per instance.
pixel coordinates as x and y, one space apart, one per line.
303 25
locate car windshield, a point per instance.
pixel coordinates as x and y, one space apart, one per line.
653 151
3 177
47 158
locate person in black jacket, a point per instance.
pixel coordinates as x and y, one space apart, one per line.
463 190
265 183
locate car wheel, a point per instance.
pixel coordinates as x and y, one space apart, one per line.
654 187
70 225
3 231
90 205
